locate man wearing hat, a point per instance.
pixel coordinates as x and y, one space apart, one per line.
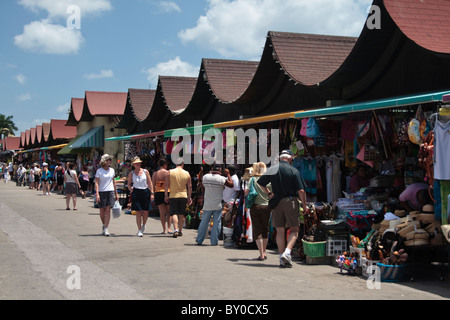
287 187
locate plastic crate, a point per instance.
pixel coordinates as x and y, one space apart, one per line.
336 247
391 273
314 249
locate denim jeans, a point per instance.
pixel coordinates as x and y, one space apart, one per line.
203 228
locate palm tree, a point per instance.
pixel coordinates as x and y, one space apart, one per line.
7 126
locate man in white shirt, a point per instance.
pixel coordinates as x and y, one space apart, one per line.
230 193
214 183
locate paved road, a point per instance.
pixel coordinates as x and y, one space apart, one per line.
46 252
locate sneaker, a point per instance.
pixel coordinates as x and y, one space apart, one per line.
103 227
287 259
175 234
106 232
140 234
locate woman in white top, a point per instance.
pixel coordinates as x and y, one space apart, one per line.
105 191
72 185
141 193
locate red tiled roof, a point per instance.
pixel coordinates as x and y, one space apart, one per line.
59 130
27 137
310 58
141 102
12 143
105 103
33 136
177 92
228 79
426 22
45 131
77 105
38 134
23 136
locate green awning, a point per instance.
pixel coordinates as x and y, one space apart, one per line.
373 105
123 138
67 149
191 130
94 138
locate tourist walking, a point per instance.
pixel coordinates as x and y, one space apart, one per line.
141 189
260 211
158 181
37 177
45 179
105 191
83 178
287 188
72 186
214 183
179 182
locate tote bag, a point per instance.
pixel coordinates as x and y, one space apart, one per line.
250 198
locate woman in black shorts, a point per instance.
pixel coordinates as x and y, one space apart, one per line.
141 193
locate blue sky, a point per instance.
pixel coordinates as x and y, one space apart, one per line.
126 44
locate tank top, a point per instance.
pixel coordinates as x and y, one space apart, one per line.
178 181
140 181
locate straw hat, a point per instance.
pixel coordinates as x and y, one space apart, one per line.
136 160
428 208
105 158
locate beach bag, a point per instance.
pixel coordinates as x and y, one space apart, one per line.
251 196
116 210
303 128
414 128
312 128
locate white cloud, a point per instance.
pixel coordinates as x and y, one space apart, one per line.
43 37
64 108
102 74
238 28
20 78
24 97
169 6
58 8
174 67
54 34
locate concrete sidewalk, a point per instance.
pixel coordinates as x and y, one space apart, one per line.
45 250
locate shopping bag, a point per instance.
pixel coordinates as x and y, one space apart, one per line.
116 210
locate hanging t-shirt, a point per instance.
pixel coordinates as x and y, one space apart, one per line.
442 150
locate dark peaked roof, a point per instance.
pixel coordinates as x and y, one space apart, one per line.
310 59
176 92
228 79
141 102
76 111
426 22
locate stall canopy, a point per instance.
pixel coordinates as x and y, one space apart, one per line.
374 105
94 138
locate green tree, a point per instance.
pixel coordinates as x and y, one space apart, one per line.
7 126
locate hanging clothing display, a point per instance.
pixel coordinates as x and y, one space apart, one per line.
442 150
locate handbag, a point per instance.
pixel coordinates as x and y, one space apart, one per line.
251 196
